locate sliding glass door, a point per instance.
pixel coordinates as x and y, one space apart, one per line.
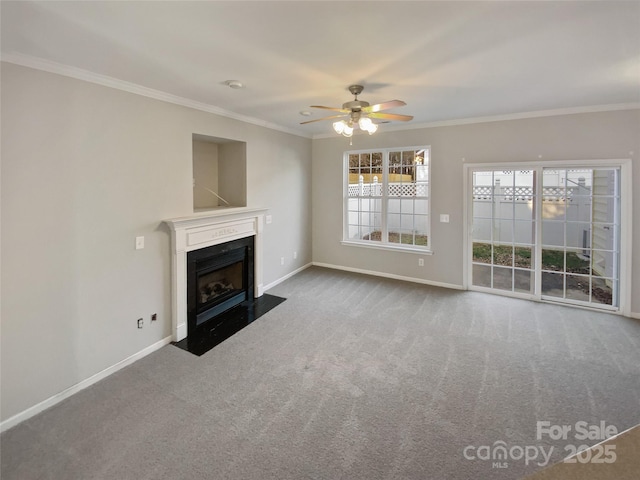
547 233
580 235
503 253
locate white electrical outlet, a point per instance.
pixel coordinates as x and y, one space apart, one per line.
421 262
139 243
295 255
281 260
268 219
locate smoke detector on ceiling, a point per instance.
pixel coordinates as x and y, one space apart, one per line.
234 84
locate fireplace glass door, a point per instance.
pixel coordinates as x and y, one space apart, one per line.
221 283
218 278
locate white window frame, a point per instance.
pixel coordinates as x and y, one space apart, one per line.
384 244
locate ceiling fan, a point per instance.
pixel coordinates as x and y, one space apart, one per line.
360 113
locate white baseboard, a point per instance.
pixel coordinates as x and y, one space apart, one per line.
391 275
289 275
635 315
58 397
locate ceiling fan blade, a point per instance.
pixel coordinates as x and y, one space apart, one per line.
323 118
383 106
390 116
343 110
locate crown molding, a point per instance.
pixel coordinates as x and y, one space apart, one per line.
504 117
111 82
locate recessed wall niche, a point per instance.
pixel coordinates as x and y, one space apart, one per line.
219 173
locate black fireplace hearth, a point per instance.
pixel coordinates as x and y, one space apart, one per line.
220 294
226 324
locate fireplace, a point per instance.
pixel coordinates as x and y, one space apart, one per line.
216 281
219 278
195 237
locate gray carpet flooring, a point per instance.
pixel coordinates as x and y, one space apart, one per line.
353 377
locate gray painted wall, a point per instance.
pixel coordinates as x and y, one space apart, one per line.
86 169
606 135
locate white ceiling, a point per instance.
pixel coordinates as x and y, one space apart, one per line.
446 60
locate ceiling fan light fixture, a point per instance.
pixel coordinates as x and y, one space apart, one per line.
359 114
365 123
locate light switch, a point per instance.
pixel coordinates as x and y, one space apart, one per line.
139 243
268 219
444 218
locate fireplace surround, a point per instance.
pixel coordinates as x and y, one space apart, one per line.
200 232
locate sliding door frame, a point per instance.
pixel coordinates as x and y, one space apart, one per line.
626 227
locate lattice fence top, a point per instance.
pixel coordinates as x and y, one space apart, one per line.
482 193
523 194
395 190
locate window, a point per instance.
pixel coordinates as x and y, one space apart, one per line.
387 198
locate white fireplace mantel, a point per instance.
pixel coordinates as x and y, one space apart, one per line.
202 230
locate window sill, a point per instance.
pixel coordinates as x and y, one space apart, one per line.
398 248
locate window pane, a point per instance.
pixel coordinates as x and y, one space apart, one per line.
482 229
576 263
604 263
578 287
578 234
523 210
523 257
502 207
421 206
503 255
552 233
482 275
406 222
406 206
553 209
393 221
523 281
482 252
502 278
503 232
524 232
602 290
553 284
421 224
553 260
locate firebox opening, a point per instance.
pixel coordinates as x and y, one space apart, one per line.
218 278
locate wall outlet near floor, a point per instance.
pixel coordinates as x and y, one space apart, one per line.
421 262
295 255
281 260
140 322
139 243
